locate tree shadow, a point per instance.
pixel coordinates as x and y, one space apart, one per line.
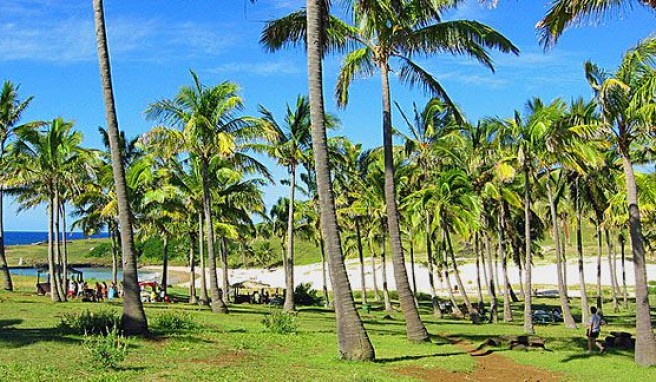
12 337
416 357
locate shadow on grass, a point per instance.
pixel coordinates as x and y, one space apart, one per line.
19 337
416 357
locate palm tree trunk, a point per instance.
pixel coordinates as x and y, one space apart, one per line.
479 286
52 269
217 305
383 260
358 236
611 267
224 268
429 264
4 266
625 296
416 331
412 269
507 312
564 257
445 272
497 279
112 237
289 292
324 278
599 296
165 262
494 304
645 349
585 308
192 269
65 257
374 278
562 294
353 342
456 273
58 255
481 250
134 317
204 298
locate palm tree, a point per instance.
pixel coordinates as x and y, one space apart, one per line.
134 317
290 146
625 100
11 110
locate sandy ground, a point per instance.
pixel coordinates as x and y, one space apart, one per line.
543 275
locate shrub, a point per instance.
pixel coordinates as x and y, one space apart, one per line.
101 322
173 321
107 351
101 250
305 295
279 322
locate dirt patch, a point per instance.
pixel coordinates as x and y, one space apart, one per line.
489 367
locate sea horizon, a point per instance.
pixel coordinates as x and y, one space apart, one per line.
36 237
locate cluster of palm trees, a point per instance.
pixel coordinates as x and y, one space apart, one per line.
489 190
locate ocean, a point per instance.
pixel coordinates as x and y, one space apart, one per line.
27 237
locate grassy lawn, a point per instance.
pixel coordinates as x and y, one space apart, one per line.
235 347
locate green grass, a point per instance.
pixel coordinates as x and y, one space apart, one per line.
235 347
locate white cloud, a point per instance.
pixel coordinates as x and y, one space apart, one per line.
259 68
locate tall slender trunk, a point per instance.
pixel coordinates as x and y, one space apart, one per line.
112 236
4 266
165 262
456 273
611 267
599 295
134 317
479 287
324 278
65 254
497 279
58 255
585 308
374 278
484 270
224 268
507 312
52 269
445 271
494 304
217 305
204 298
358 236
413 275
429 264
416 331
289 291
353 341
564 304
564 257
192 269
645 349
625 295
383 260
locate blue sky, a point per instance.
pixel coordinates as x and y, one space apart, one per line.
48 47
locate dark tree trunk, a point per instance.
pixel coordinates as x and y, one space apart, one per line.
112 236
479 286
625 295
358 236
456 273
224 269
413 275
52 268
599 295
445 271
324 278
192 269
494 304
611 268
507 312
383 260
429 264
374 278
217 305
416 331
562 294
645 349
165 262
353 342
289 269
65 254
204 298
134 317
585 308
4 266
58 255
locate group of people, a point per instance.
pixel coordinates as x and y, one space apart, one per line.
98 292
156 294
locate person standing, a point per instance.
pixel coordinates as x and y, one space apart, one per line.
593 331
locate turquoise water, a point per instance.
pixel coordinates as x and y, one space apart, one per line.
93 273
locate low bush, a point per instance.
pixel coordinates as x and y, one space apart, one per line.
108 351
305 295
101 322
280 322
101 250
173 322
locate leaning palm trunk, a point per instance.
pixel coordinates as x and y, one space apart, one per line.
112 236
599 295
494 305
611 267
507 312
192 270
416 331
562 294
412 270
165 262
289 268
429 263
481 250
579 249
324 278
456 273
445 275
625 296
224 269
204 298
218 305
353 342
52 270
479 287
4 266
358 236
645 349
383 260
134 317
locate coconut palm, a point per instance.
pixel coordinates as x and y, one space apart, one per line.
11 110
625 99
